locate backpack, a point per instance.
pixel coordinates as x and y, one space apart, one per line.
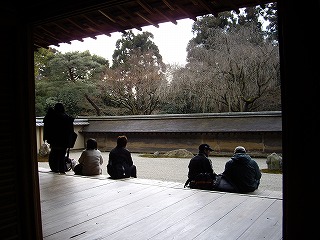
204 181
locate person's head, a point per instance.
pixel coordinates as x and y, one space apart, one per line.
59 108
122 141
205 148
239 149
92 144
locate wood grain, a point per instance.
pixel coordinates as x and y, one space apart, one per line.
76 207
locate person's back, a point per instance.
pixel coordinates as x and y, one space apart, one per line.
243 171
199 164
58 132
58 127
201 174
91 159
120 164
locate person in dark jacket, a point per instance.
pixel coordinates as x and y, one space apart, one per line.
242 171
201 163
58 131
120 164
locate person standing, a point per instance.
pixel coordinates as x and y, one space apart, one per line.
120 164
58 131
242 171
90 160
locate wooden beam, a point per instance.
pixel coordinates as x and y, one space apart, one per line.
169 4
97 26
107 16
147 20
80 28
188 14
208 7
145 6
61 28
118 26
166 17
129 16
50 34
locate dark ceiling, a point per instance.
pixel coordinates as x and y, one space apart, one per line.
75 20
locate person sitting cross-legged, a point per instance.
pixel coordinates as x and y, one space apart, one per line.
120 163
90 160
241 172
201 174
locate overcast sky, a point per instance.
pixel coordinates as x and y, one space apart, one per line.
171 39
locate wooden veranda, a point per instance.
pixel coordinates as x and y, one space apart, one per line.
77 207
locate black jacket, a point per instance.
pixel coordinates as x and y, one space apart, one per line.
199 164
120 162
58 129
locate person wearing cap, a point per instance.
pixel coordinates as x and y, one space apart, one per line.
201 163
242 171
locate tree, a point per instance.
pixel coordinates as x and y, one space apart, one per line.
135 80
70 78
134 44
269 14
236 61
248 71
190 89
76 66
41 58
135 86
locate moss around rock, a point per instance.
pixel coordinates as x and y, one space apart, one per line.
179 153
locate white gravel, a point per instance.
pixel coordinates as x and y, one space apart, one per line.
176 169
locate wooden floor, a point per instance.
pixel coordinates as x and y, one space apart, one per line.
75 207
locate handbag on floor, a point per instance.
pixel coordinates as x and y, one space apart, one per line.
69 163
202 181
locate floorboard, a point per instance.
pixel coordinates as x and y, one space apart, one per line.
76 207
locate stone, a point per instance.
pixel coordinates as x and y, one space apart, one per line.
274 162
44 149
179 153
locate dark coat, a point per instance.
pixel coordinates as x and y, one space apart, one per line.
243 172
199 164
120 163
58 129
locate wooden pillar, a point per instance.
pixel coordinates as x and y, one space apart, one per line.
299 62
20 198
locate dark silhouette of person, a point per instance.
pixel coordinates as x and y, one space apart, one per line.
201 174
120 164
201 163
58 131
242 171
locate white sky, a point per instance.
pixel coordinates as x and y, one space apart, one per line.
171 40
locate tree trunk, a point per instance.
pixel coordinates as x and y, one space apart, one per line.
93 105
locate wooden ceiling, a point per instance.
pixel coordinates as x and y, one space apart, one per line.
61 22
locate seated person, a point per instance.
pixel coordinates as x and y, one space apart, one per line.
90 160
201 174
242 172
120 163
